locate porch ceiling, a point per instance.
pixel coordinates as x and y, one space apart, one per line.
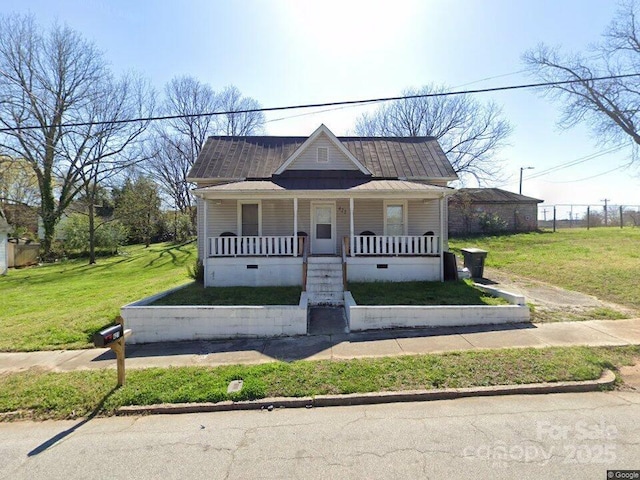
370 189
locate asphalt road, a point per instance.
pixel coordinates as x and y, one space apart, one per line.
547 436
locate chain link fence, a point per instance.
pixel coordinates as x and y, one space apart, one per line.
588 216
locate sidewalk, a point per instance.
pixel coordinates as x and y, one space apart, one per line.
336 347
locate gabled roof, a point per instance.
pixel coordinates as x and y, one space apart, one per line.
322 129
493 195
260 157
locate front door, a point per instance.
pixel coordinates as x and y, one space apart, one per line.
323 228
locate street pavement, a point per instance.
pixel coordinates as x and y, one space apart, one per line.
526 437
335 346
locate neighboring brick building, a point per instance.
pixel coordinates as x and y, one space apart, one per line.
484 210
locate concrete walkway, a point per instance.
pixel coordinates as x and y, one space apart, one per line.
336 346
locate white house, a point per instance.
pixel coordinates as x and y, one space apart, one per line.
320 211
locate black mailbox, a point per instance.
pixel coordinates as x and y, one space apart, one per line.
107 336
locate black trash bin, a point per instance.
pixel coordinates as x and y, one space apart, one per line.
474 261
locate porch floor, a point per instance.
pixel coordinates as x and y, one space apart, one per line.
327 321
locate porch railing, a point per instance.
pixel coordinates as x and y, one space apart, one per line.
256 246
396 245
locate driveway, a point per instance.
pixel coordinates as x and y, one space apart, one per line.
554 303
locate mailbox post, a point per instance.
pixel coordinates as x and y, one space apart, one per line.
114 338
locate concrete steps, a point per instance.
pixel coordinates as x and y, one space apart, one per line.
324 281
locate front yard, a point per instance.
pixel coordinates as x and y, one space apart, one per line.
421 293
604 262
376 293
61 305
196 294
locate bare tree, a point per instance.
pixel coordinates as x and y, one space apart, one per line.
177 142
470 132
238 124
47 79
105 146
609 106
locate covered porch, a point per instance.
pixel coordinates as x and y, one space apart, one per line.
395 226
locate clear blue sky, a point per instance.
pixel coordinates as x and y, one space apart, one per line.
293 52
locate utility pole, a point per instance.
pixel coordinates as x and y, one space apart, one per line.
606 217
521 169
544 212
571 217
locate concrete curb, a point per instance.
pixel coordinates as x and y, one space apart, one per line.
606 380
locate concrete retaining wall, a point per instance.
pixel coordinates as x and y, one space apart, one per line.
363 317
512 298
179 323
374 317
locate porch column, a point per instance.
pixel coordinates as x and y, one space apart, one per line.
442 227
295 226
351 244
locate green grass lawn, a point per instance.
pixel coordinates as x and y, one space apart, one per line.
196 294
60 305
39 395
421 293
604 262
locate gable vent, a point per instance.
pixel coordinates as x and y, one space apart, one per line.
323 154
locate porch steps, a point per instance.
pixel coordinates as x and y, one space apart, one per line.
324 281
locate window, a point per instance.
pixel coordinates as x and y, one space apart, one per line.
394 218
323 154
249 219
323 222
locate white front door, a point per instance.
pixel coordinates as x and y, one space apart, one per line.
323 228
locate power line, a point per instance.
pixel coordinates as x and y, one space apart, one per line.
574 162
309 113
491 78
595 176
354 106
568 164
326 104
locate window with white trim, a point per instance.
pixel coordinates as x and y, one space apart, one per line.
323 155
395 218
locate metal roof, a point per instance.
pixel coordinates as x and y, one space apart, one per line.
259 157
493 195
391 187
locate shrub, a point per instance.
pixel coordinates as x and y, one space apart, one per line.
176 227
197 271
491 223
108 236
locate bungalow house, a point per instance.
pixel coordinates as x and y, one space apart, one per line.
322 210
